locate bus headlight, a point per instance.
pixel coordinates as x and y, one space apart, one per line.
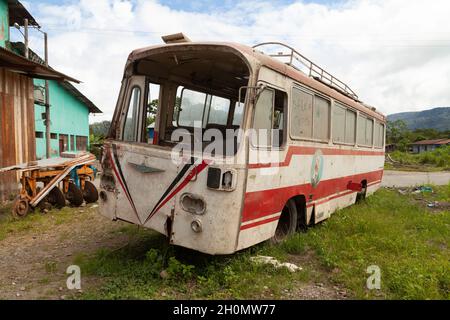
193 204
196 226
227 180
222 179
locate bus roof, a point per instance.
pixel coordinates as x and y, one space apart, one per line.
269 62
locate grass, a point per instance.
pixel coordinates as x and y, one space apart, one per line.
35 221
436 160
409 243
133 272
406 240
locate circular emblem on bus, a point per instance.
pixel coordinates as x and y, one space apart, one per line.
316 168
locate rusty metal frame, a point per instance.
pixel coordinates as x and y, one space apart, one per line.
51 177
314 71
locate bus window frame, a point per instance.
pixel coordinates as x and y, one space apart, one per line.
342 105
206 107
366 117
274 88
383 142
313 93
137 113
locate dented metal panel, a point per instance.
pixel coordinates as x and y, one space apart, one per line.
17 136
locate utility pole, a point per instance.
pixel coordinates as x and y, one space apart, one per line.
47 104
47 91
25 26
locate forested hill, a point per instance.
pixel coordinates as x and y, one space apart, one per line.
437 118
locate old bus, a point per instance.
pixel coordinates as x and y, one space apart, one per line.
314 147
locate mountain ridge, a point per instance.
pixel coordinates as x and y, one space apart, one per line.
436 118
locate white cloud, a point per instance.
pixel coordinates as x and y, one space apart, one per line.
395 54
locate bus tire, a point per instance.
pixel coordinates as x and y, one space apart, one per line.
287 224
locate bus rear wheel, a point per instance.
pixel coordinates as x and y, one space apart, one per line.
287 224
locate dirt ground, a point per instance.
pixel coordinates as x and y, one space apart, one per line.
34 262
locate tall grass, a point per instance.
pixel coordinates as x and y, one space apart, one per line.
439 157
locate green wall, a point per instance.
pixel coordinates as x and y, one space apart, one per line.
68 116
4 22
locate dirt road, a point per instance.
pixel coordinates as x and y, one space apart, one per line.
410 179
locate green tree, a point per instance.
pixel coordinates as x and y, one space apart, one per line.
152 109
398 134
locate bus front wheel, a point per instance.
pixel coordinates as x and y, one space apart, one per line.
287 224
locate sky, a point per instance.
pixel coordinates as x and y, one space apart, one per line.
395 54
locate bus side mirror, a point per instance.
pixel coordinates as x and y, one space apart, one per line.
256 92
259 89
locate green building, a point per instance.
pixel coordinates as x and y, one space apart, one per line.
69 118
4 23
17 98
69 108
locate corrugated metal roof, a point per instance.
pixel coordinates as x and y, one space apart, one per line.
19 64
20 47
77 94
432 142
18 13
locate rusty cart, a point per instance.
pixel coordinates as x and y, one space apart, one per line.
50 182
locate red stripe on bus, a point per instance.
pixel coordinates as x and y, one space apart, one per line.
191 175
259 204
330 198
258 223
294 150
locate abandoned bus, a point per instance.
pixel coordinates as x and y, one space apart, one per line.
321 148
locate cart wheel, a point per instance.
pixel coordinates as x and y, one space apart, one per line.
56 198
74 195
90 193
21 207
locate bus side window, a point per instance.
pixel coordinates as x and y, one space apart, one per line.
344 122
321 119
301 114
238 114
269 119
262 122
379 135
279 119
151 112
365 131
361 130
129 131
350 126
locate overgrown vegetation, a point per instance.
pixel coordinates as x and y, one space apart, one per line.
409 242
398 134
438 159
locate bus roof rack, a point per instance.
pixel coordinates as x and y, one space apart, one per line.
308 67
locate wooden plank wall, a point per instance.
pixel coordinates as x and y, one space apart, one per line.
17 128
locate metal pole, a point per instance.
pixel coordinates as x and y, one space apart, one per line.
25 25
47 104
